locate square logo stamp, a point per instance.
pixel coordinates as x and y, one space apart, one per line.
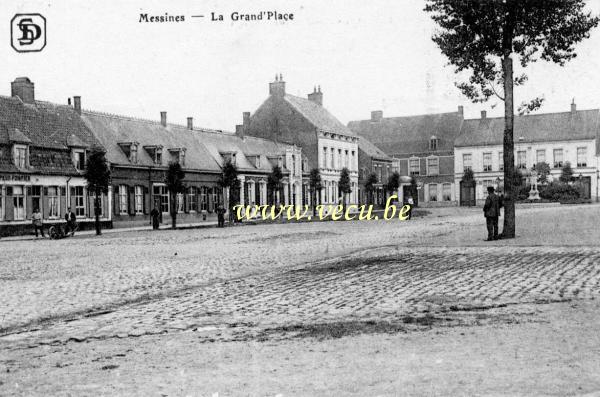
28 32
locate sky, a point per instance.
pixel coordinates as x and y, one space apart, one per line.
375 55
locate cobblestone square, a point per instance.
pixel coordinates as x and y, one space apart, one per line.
281 285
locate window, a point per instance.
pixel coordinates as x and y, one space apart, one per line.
214 195
123 199
36 197
79 160
192 198
487 162
339 159
161 197
332 162
433 166
133 155
433 192
447 192
79 201
352 163
324 165
1 199
540 156
257 161
379 171
18 202
521 159
467 161
293 165
179 202
158 156
414 166
501 161
581 157
52 195
433 143
203 199
346 160
139 200
20 155
558 158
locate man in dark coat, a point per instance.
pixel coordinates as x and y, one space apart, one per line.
491 211
70 218
155 215
221 216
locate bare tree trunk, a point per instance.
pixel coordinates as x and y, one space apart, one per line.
174 211
509 156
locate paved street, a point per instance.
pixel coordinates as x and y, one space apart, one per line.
275 283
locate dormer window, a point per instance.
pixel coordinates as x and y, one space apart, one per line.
433 143
280 162
229 157
178 156
155 153
79 159
131 151
21 156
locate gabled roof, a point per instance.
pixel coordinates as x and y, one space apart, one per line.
371 150
111 129
44 124
318 116
565 126
407 135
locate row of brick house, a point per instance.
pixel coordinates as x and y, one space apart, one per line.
436 149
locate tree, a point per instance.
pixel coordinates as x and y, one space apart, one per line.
274 183
566 175
229 180
174 182
315 183
393 183
543 170
468 175
481 38
344 185
97 175
372 180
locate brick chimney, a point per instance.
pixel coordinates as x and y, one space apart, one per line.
77 104
190 123
163 119
24 89
239 130
376 115
461 111
277 88
483 115
316 96
573 107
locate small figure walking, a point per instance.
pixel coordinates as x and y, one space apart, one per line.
154 214
491 211
36 219
221 216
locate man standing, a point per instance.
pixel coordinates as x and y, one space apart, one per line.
36 219
70 218
491 211
221 216
154 214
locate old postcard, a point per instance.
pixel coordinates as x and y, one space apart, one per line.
299 198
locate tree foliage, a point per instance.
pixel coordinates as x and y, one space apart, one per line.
174 182
566 174
316 184
481 38
468 175
274 181
543 170
229 179
370 183
97 175
393 183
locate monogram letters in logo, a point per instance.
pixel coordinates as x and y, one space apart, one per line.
28 32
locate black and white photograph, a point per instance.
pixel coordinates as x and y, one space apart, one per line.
300 198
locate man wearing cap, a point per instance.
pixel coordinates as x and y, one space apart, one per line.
491 211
